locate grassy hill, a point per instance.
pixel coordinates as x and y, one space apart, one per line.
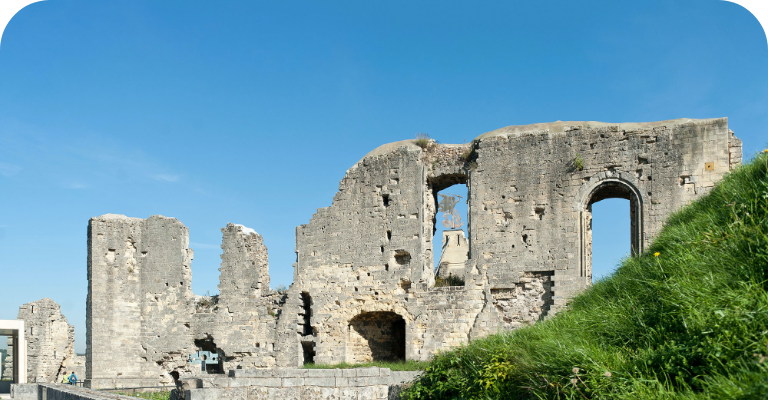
686 320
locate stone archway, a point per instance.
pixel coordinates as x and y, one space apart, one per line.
603 186
376 336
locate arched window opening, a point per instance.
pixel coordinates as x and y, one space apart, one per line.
450 241
376 336
612 228
610 231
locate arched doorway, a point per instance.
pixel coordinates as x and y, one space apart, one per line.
609 187
376 336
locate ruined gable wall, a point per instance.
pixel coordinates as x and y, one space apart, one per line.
353 255
139 309
528 208
50 340
371 251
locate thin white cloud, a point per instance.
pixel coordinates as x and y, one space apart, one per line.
9 169
166 177
76 185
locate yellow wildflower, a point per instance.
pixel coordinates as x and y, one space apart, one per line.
656 254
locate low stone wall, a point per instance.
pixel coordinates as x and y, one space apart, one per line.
299 384
40 391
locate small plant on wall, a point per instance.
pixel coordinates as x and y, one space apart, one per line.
449 280
422 140
578 163
470 157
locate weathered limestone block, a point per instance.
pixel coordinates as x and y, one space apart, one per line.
50 340
527 302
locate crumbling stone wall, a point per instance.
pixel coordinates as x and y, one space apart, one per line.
246 319
139 309
366 262
8 361
527 302
50 340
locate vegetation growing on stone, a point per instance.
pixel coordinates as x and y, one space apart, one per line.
149 395
450 280
686 320
208 301
470 157
578 162
422 140
410 365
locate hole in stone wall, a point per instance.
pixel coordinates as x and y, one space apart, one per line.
306 314
610 231
309 352
175 375
389 235
385 198
450 242
402 257
207 347
376 336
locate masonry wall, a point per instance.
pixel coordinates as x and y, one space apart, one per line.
529 223
530 208
365 264
8 361
245 328
305 384
139 311
50 340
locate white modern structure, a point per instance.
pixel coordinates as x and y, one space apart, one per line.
15 330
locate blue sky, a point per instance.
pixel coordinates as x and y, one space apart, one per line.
251 112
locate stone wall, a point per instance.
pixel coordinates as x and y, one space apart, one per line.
46 391
8 361
299 384
50 340
364 272
139 310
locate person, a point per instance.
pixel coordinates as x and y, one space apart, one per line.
73 378
65 379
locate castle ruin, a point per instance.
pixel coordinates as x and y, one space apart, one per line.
364 283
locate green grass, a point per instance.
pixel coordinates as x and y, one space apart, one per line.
392 365
686 320
149 395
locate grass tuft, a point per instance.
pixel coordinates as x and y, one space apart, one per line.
688 319
423 140
392 365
